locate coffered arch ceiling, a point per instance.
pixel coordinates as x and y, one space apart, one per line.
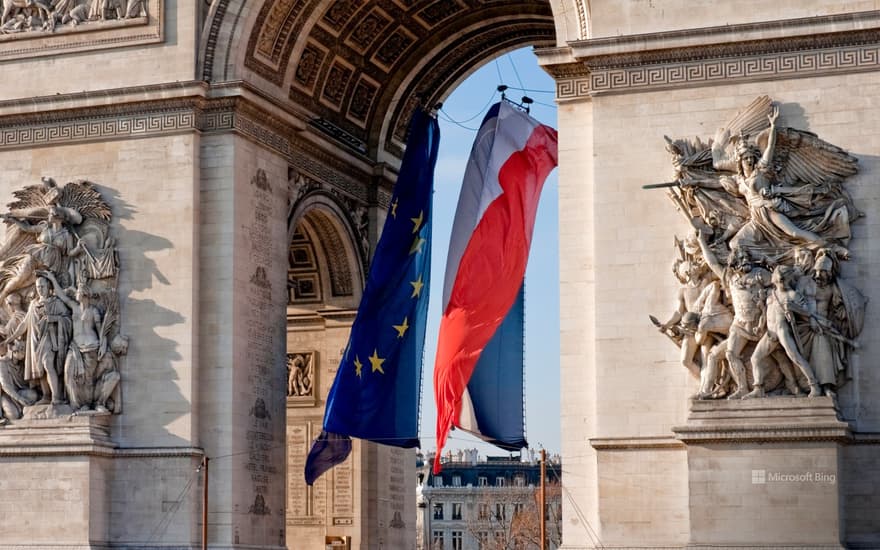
355 69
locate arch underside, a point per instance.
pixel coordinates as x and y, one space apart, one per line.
355 70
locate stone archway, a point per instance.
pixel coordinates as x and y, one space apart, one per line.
340 80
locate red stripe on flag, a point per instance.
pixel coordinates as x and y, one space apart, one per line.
489 275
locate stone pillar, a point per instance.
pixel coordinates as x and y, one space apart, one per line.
243 266
765 472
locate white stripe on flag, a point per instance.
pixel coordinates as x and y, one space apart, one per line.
480 185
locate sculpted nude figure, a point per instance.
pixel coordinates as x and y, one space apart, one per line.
746 284
783 303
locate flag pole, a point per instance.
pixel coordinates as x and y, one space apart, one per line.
543 499
205 503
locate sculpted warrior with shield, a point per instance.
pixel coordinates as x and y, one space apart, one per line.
763 198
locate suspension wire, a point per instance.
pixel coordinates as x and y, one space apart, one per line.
532 90
515 72
444 117
544 104
480 112
172 510
594 536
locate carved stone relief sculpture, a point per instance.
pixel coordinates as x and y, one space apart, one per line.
61 344
762 309
22 16
301 375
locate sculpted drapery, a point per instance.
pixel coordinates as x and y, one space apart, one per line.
763 308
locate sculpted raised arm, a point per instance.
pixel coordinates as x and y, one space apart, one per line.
68 301
771 139
709 256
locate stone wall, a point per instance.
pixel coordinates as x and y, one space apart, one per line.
622 380
167 52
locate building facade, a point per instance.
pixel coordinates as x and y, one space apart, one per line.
206 181
487 504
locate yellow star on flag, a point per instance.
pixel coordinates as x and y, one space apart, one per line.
416 245
394 209
401 329
417 287
417 222
376 362
358 366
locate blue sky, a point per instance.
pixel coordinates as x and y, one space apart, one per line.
467 104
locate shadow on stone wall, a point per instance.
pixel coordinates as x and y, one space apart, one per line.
152 371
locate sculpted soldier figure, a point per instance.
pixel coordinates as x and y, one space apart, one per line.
762 194
14 393
58 238
746 284
47 328
783 304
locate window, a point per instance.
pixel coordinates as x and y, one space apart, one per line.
483 540
484 512
456 511
519 481
499 511
517 508
438 510
456 540
456 481
483 481
438 481
499 481
437 540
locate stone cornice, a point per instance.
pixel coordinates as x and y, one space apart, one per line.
767 420
635 443
696 57
179 108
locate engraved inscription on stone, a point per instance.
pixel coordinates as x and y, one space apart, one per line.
306 505
397 488
297 442
260 344
343 490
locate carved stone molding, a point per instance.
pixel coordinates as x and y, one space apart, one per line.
759 67
763 420
144 25
697 57
179 108
635 443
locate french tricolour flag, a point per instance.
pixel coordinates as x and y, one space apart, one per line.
491 235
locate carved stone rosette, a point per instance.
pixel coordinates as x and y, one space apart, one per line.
59 306
762 309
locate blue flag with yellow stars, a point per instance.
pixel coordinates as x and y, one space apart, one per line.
377 390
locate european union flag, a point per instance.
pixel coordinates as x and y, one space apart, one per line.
376 393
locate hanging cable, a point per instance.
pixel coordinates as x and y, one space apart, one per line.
165 521
479 113
532 90
515 72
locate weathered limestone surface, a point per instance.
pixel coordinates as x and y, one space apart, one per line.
619 380
171 59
